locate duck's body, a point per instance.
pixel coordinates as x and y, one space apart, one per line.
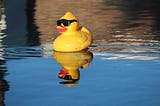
72 37
75 41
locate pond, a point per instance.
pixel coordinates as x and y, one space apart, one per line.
121 68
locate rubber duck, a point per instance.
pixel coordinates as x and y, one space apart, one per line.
71 62
72 37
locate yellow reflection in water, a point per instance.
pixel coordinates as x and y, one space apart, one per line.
71 62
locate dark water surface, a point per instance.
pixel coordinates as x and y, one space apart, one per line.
121 68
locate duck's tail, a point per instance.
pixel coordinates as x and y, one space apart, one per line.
84 29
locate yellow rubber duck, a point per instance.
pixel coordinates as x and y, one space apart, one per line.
73 38
71 62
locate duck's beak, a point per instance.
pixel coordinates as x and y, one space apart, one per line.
62 73
61 28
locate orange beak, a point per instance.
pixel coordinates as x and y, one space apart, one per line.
63 72
61 28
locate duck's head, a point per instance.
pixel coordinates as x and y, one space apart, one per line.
69 76
67 23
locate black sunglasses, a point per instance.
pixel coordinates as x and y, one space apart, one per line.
66 77
65 22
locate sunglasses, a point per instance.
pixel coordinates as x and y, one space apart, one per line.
66 77
65 22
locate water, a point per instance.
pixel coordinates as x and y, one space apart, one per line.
121 68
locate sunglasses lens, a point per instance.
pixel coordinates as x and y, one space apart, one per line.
65 22
68 77
59 22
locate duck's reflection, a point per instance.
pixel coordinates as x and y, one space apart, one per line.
71 62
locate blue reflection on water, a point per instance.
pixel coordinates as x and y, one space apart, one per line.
121 82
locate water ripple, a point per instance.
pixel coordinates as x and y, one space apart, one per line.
22 52
134 55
